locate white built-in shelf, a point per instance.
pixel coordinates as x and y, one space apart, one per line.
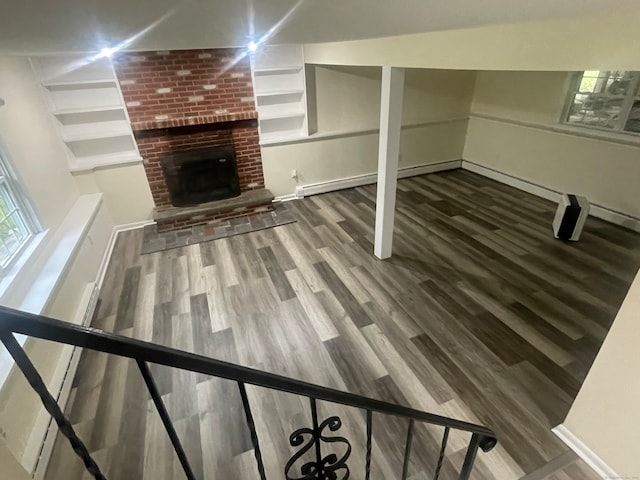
95 161
277 69
279 85
276 114
80 84
116 157
276 93
87 104
278 137
74 111
88 131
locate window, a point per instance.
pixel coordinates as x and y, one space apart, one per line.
605 99
17 224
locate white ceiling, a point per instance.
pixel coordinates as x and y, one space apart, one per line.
41 26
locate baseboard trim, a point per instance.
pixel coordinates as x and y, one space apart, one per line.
367 179
285 198
102 270
524 185
133 225
412 171
598 211
618 218
584 452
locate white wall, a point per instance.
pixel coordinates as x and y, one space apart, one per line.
347 98
125 188
558 44
513 129
536 97
605 414
436 105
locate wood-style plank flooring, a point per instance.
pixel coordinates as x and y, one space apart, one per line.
577 470
480 315
565 467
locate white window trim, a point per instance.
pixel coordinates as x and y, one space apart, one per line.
625 110
14 185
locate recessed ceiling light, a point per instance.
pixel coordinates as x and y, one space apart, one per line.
252 47
107 52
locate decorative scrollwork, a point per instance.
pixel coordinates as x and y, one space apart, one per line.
329 467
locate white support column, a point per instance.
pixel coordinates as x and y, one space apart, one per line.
388 153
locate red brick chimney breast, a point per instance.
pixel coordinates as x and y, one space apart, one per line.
186 99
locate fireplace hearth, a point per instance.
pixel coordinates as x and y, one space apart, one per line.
198 176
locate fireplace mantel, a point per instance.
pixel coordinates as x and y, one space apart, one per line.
191 121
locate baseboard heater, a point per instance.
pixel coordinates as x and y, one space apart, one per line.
570 217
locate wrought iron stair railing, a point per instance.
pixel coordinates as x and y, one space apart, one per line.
328 467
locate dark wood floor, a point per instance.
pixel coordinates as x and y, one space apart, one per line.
480 315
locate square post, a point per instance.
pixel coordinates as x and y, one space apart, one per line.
388 154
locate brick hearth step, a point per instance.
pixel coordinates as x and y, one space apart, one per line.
248 202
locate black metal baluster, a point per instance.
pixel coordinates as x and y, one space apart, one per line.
445 438
35 380
252 428
166 420
407 450
368 455
470 457
316 435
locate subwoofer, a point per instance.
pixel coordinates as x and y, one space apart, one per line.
570 217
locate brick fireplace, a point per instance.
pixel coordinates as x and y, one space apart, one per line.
191 100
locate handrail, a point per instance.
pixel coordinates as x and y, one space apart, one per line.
15 321
46 328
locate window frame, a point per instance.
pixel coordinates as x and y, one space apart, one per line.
632 95
10 183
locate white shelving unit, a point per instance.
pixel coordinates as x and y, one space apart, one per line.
86 101
279 85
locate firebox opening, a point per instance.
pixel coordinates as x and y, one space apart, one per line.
200 176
